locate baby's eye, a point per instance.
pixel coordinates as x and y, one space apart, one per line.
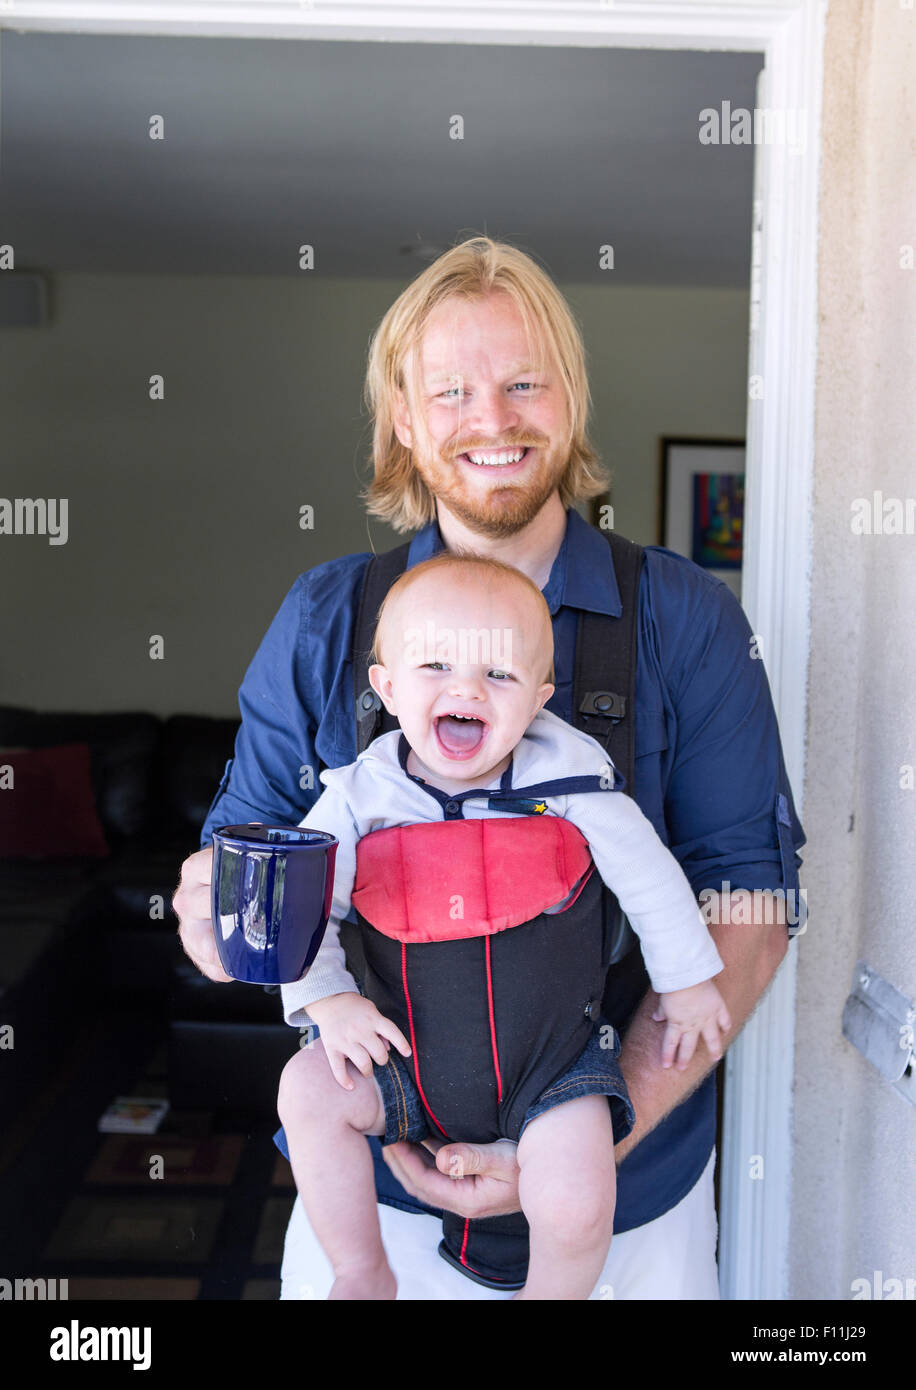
501 675
435 666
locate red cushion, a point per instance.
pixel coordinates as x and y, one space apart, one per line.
446 880
49 810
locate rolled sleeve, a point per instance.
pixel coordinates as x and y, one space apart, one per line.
728 803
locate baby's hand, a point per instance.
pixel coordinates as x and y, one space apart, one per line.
351 1027
689 1013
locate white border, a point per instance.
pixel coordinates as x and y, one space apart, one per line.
737 24
754 1214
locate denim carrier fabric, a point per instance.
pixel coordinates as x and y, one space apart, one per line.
494 1251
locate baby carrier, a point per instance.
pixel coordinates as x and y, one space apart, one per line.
438 973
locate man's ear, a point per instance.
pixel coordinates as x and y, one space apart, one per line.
401 419
380 681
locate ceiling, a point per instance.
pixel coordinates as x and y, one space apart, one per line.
271 144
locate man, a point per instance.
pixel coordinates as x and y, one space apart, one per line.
477 383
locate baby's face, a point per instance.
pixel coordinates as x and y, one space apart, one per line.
463 666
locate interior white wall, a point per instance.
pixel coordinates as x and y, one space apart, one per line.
184 512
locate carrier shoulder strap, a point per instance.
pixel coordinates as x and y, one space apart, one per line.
372 718
604 683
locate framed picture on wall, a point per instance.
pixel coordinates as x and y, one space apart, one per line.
701 503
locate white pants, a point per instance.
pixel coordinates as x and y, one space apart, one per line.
673 1257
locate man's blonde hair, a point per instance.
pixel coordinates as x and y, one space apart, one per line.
471 271
494 572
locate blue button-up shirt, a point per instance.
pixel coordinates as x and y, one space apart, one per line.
709 768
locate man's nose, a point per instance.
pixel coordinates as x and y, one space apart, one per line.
491 413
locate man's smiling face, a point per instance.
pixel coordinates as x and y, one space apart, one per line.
497 428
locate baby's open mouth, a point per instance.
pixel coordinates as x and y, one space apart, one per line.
459 736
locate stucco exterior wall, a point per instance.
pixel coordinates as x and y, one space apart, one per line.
854 1160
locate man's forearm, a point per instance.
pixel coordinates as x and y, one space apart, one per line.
751 954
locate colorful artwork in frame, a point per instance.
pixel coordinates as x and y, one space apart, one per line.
718 517
702 504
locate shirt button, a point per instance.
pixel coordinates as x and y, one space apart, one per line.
452 807
593 1010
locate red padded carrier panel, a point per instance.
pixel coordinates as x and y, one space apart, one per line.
446 880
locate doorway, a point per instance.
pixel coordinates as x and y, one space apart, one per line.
780 375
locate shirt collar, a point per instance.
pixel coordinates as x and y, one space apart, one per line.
582 574
505 781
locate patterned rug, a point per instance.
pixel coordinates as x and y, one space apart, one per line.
188 1213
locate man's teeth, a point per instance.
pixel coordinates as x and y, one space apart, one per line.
497 460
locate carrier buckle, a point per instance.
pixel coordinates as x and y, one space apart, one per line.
605 703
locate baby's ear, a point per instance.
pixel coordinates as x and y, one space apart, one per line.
544 694
380 681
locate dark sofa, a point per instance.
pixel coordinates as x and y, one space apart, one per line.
102 811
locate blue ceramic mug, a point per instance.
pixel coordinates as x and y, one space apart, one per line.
270 897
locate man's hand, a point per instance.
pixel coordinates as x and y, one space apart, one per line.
352 1029
471 1180
692 1013
191 905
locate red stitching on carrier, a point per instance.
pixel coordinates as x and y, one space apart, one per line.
413 1041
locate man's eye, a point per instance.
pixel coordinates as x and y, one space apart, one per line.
528 387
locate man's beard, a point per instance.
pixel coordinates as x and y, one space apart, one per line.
502 511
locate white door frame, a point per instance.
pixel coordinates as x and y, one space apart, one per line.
780 429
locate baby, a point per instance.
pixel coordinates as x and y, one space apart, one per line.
476 745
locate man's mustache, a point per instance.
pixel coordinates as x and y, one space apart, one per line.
476 447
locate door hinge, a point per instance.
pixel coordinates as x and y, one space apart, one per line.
881 1023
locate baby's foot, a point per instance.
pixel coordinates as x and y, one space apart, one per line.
373 1282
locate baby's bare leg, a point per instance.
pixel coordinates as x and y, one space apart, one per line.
567 1188
325 1128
